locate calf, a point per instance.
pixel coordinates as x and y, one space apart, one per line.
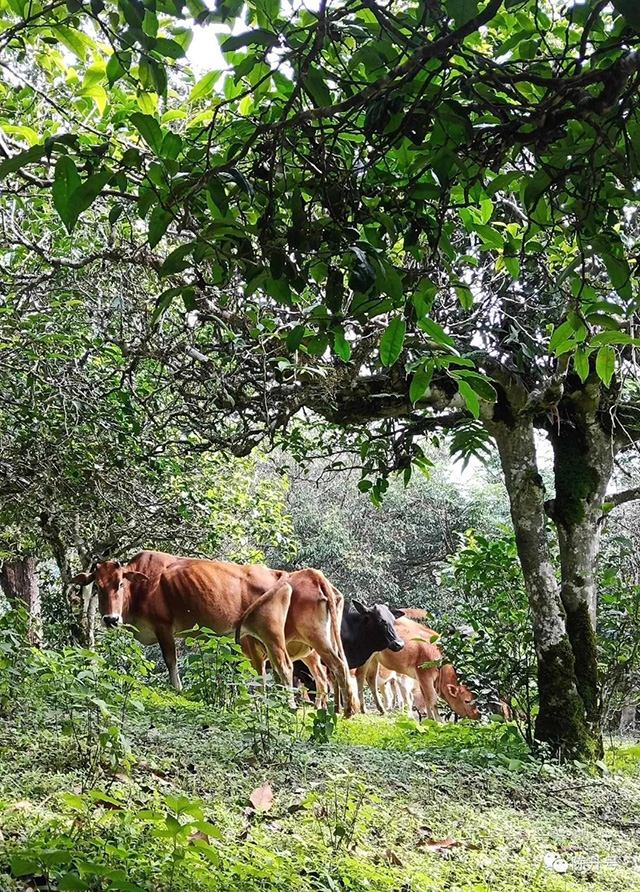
420 659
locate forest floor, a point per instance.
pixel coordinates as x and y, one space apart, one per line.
246 799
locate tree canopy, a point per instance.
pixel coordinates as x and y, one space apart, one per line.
376 222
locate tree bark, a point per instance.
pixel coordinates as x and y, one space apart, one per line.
19 582
80 604
583 462
561 719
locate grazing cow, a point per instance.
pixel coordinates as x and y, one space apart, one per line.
363 630
420 659
163 596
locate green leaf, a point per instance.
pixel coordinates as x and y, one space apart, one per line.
23 866
535 189
72 40
482 386
164 46
392 341
204 87
560 335
420 382
176 261
436 331
16 162
465 297
158 224
315 83
620 275
630 10
84 196
259 36
98 94
163 303
462 11
606 364
171 145
581 364
341 345
66 181
70 882
295 338
470 398
149 130
613 337
115 69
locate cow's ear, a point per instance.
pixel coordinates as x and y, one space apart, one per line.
134 576
453 690
359 607
83 578
397 613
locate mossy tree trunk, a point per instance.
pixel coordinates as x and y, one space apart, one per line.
583 461
561 719
19 582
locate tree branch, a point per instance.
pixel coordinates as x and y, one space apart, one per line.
626 495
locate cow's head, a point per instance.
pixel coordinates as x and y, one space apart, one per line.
457 695
110 578
379 626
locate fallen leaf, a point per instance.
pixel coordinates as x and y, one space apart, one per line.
440 845
392 858
262 797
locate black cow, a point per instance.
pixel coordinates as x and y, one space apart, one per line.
366 630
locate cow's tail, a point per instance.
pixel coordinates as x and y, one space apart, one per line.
330 592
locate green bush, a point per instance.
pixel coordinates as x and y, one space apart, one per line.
490 639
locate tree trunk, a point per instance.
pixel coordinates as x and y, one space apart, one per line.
19 582
89 600
561 719
80 603
583 462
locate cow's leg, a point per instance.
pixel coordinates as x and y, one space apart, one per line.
387 694
266 623
427 681
167 643
282 665
361 677
315 667
254 651
372 679
408 694
341 678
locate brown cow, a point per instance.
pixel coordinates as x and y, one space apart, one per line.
420 658
163 596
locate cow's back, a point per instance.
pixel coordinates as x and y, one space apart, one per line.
418 648
212 594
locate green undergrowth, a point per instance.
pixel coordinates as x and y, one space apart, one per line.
181 797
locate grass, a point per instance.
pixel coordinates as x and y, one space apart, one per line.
386 805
